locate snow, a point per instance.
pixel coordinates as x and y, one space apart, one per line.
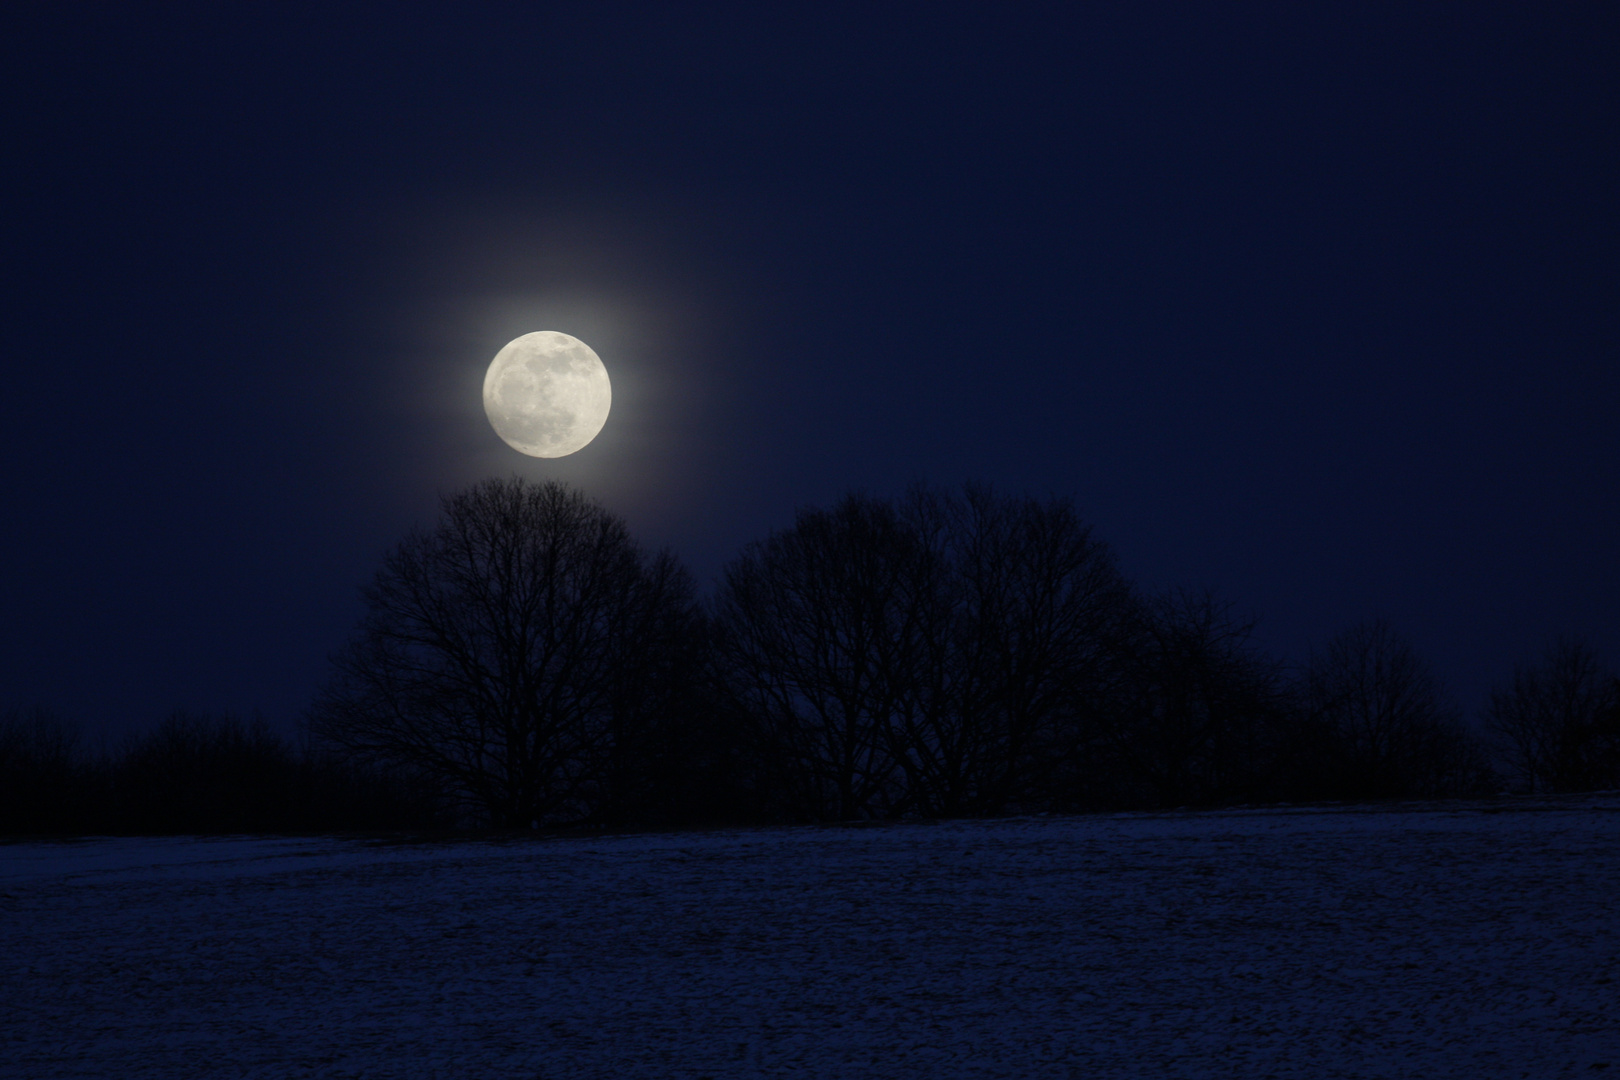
1469 940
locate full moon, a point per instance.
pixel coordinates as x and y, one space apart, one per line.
547 394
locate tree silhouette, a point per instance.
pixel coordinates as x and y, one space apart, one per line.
1560 720
198 773
47 783
1391 728
817 629
919 654
1198 714
517 653
1029 610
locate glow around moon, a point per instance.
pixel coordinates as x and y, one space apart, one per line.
547 394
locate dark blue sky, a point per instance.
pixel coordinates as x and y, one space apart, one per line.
1315 305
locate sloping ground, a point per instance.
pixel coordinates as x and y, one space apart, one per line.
1473 940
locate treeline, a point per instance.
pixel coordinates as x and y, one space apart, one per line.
194 774
946 653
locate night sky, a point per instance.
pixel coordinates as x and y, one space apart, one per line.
1313 305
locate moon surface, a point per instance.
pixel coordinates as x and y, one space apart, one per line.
547 394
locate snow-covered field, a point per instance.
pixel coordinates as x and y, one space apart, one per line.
1472 940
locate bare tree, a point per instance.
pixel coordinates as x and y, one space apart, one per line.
1198 711
1391 726
817 628
917 654
1560 721
1022 628
515 652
